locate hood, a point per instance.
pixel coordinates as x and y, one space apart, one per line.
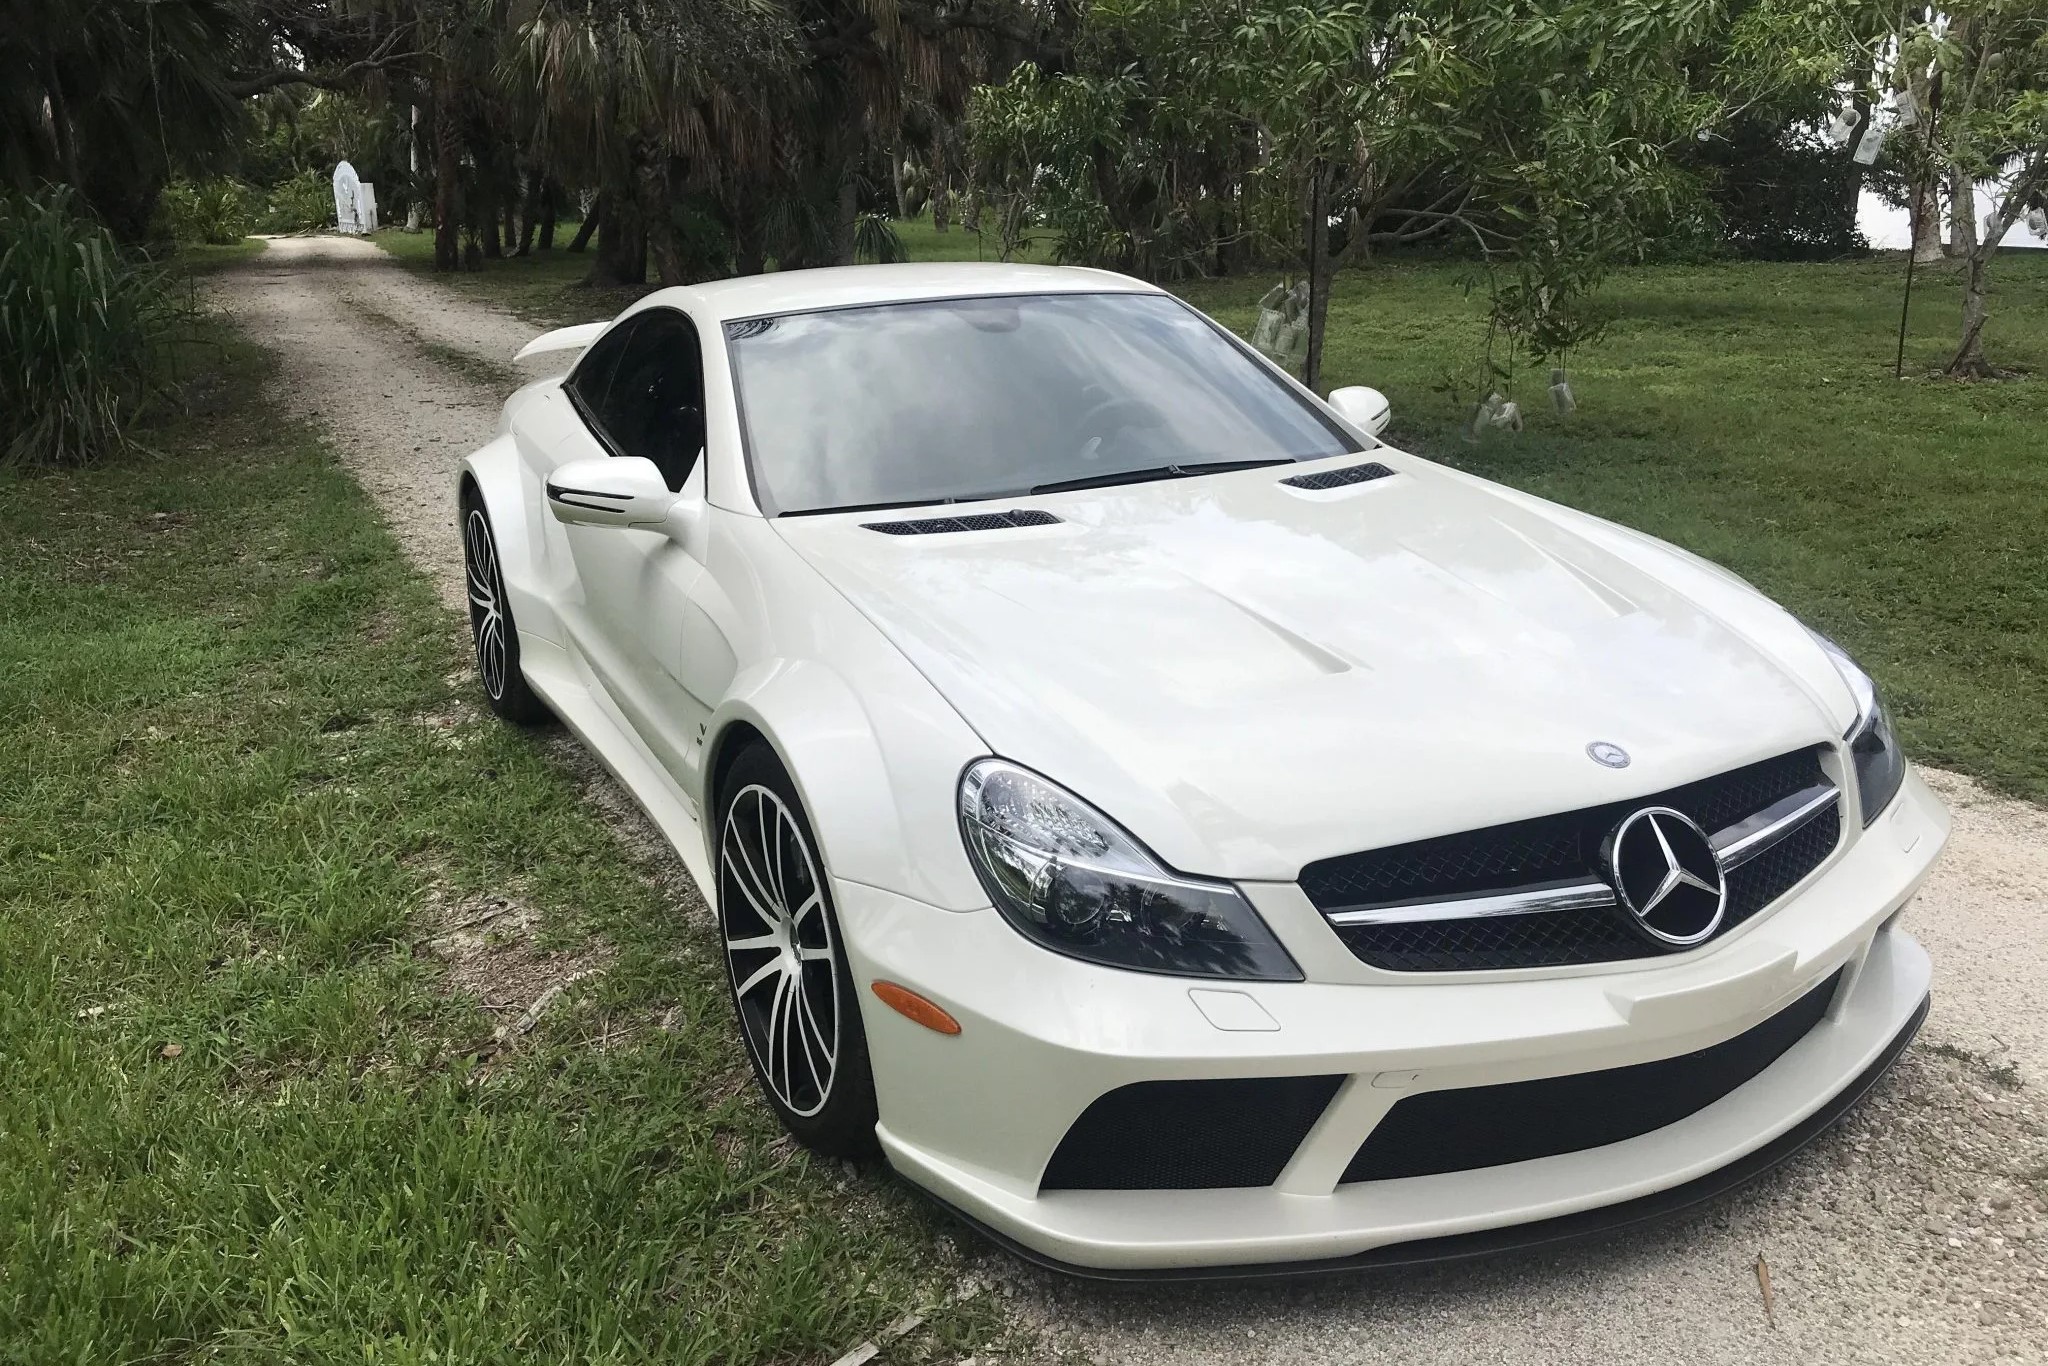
1251 676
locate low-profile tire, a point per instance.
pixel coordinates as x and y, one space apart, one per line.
491 629
792 990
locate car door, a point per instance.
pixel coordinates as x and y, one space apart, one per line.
642 594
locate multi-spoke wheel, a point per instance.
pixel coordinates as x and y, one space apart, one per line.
791 987
490 621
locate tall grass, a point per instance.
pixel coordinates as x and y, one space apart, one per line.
83 334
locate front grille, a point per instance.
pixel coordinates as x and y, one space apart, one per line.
1189 1135
1337 479
1558 848
980 521
1489 1126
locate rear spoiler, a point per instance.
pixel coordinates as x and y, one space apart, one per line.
562 339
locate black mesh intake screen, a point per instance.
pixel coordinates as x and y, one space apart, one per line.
979 521
1337 479
1489 1126
1189 1135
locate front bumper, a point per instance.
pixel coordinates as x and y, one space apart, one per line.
974 1118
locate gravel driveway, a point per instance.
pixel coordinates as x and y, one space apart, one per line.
1916 1232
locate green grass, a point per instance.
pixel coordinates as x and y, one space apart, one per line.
1748 411
243 1119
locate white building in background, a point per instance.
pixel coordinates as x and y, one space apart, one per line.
1891 229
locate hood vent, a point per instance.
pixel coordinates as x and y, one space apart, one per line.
980 521
1337 479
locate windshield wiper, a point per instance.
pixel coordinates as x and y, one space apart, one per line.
1140 476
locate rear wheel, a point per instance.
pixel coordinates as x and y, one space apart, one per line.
792 989
490 621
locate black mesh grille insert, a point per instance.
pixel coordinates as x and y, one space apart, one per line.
1337 479
1553 848
1489 1126
980 521
1189 1135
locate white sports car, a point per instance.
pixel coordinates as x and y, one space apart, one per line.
1185 834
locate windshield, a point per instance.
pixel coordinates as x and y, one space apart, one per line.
991 397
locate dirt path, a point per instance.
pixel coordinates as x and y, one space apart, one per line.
1917 1232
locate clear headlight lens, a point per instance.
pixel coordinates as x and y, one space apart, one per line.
1873 749
1068 877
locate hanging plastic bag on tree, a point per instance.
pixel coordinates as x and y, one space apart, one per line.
1282 330
1842 125
1870 145
2037 221
1561 392
1907 108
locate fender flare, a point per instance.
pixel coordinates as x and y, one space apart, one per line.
494 470
863 816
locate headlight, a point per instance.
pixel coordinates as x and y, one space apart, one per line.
1873 749
1068 877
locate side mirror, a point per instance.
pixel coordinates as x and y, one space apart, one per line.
626 490
1364 408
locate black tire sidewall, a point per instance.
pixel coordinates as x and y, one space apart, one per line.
845 1125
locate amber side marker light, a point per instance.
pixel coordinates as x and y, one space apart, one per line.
912 1006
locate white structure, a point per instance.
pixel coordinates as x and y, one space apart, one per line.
1178 828
1890 228
355 204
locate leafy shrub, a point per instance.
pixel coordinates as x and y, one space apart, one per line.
875 239
216 212
83 331
304 203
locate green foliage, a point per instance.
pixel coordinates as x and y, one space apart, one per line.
83 330
1783 197
212 212
875 241
304 203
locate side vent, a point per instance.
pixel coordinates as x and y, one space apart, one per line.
980 521
1337 479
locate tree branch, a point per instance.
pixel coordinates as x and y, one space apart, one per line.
384 56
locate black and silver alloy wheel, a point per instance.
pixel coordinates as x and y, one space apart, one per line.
486 596
778 946
490 621
792 989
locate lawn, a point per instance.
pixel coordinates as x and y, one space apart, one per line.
259 856
1748 412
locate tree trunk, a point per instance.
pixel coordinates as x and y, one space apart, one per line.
1962 215
547 214
896 177
1927 222
2022 190
1320 270
942 202
621 242
845 221
651 181
1968 361
447 224
588 226
488 214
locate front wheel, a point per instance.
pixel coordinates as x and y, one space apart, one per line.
791 987
490 622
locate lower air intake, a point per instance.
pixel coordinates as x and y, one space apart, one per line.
1490 1126
1189 1135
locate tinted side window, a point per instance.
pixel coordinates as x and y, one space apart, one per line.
655 404
593 377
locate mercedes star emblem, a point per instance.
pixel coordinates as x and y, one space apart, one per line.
1608 753
1666 875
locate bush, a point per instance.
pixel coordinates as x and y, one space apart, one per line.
83 330
215 211
304 203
